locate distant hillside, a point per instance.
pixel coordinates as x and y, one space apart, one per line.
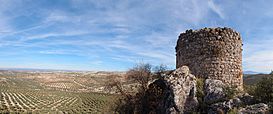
36 70
251 72
250 79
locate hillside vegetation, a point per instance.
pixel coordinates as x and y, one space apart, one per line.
251 79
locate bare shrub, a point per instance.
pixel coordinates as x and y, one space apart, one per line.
141 74
114 83
159 71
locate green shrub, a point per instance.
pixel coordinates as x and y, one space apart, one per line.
200 95
230 92
264 90
250 89
200 88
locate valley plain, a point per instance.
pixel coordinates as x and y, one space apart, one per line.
55 92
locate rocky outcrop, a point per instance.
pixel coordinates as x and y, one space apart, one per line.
217 101
176 94
260 108
237 102
245 105
173 94
247 99
214 91
224 106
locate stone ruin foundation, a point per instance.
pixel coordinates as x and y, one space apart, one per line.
212 53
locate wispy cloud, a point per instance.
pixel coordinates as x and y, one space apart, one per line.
59 52
121 33
215 8
139 31
64 34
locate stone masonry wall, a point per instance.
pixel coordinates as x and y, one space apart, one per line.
214 53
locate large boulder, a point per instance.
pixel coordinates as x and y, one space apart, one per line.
173 94
247 99
214 91
224 106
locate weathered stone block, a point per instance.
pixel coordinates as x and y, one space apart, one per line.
174 94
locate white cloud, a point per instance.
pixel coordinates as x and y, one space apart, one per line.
126 20
47 35
60 52
133 30
216 9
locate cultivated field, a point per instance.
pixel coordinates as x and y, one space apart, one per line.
55 92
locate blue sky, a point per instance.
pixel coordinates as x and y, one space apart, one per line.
116 34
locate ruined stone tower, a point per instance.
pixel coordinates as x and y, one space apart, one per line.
214 53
